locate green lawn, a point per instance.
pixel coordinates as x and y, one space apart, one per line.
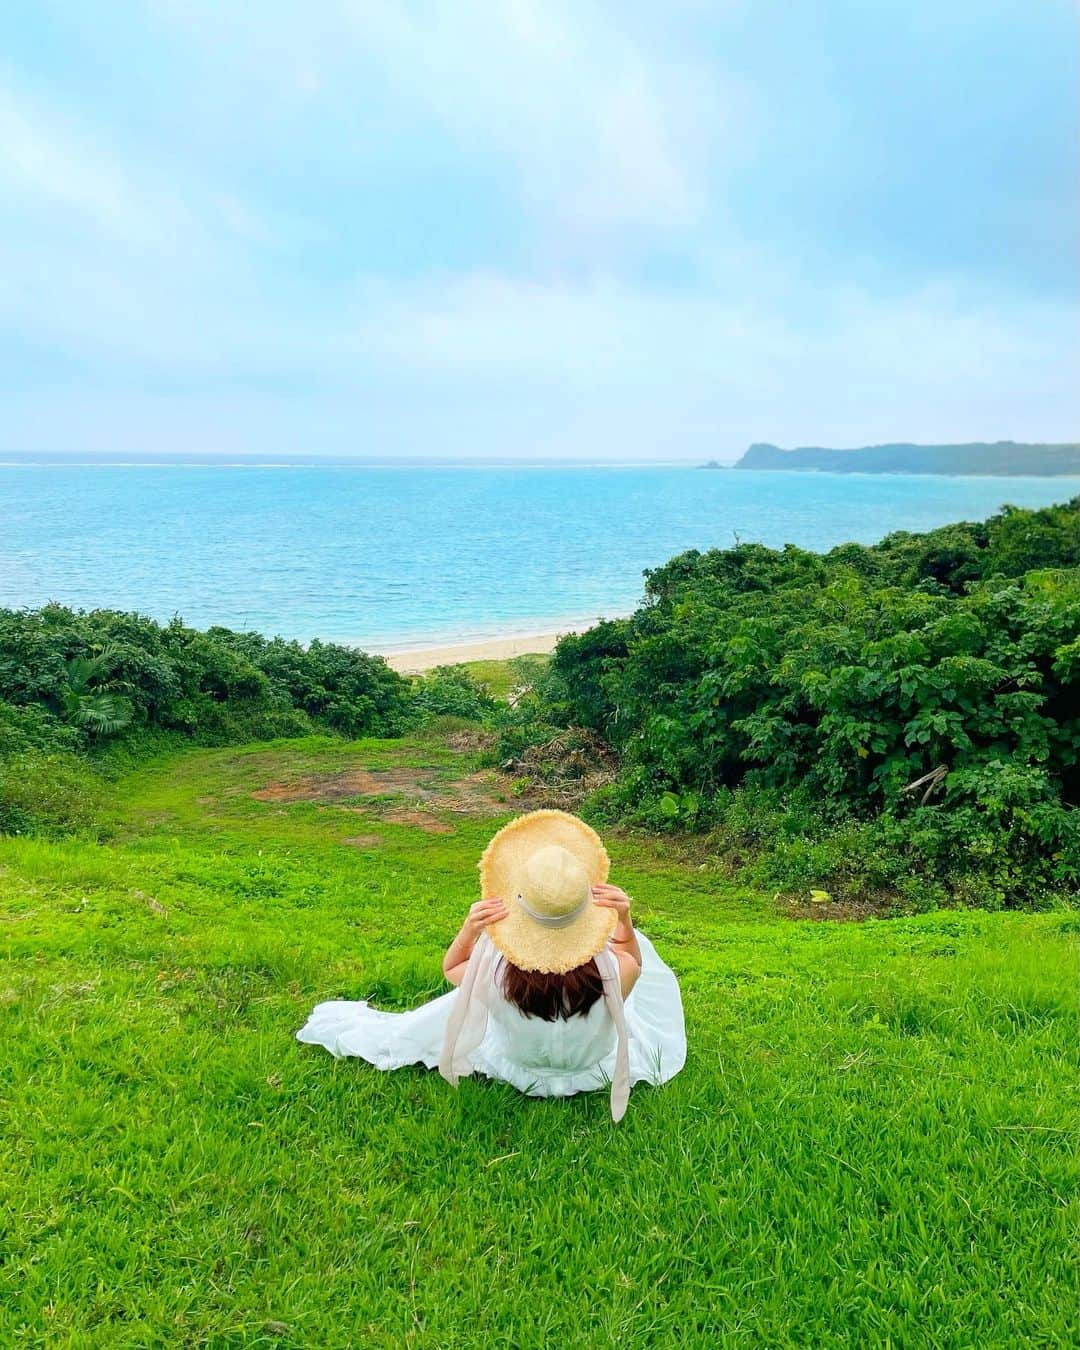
501 678
873 1141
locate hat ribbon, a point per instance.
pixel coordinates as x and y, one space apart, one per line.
467 1023
554 920
608 966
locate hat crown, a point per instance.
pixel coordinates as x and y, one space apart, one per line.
539 855
554 882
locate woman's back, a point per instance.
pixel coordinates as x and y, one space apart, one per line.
567 1045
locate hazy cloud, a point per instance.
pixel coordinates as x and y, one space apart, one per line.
576 228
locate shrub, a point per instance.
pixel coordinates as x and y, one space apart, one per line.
450 691
104 682
838 683
45 792
210 686
32 728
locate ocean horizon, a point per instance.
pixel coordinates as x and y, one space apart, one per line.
393 557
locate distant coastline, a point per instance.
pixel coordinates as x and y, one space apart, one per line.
998 459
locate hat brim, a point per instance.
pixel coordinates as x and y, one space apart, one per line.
524 942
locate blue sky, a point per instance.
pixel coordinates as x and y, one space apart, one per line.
620 230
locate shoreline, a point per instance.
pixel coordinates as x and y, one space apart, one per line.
417 660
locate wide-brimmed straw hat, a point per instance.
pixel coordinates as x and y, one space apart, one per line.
542 866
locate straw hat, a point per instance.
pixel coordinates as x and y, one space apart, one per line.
541 866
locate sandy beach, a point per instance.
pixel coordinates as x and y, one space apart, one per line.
483 649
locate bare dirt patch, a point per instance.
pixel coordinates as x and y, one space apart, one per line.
339 787
419 795
421 819
841 911
412 795
363 840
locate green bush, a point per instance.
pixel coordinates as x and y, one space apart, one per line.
114 685
32 728
450 691
835 684
48 793
209 686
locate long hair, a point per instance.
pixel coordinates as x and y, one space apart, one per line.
550 997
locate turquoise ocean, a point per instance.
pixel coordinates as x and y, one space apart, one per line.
396 557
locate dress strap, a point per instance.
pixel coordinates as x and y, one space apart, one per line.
607 963
467 1022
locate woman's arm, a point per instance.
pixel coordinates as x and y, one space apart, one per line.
624 941
459 951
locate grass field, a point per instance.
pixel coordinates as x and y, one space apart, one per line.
873 1141
501 678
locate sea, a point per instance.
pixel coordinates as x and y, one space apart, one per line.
388 558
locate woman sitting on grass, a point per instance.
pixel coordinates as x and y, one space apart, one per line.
558 993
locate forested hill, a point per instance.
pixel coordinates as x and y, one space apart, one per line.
1001 457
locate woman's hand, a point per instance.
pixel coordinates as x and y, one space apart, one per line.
491 910
624 941
479 916
611 897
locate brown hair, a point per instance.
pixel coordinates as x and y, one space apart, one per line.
549 997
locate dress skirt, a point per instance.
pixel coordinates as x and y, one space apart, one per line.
543 1059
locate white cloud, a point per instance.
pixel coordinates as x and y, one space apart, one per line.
59 172
600 134
177 291
52 164
476 364
606 333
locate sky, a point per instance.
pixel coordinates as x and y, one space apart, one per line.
536 228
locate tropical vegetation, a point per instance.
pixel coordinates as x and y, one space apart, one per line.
80 691
899 720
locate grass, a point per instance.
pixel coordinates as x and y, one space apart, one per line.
501 678
872 1142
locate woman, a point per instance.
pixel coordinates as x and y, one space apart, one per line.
557 992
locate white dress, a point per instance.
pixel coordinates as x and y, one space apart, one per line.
473 1029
